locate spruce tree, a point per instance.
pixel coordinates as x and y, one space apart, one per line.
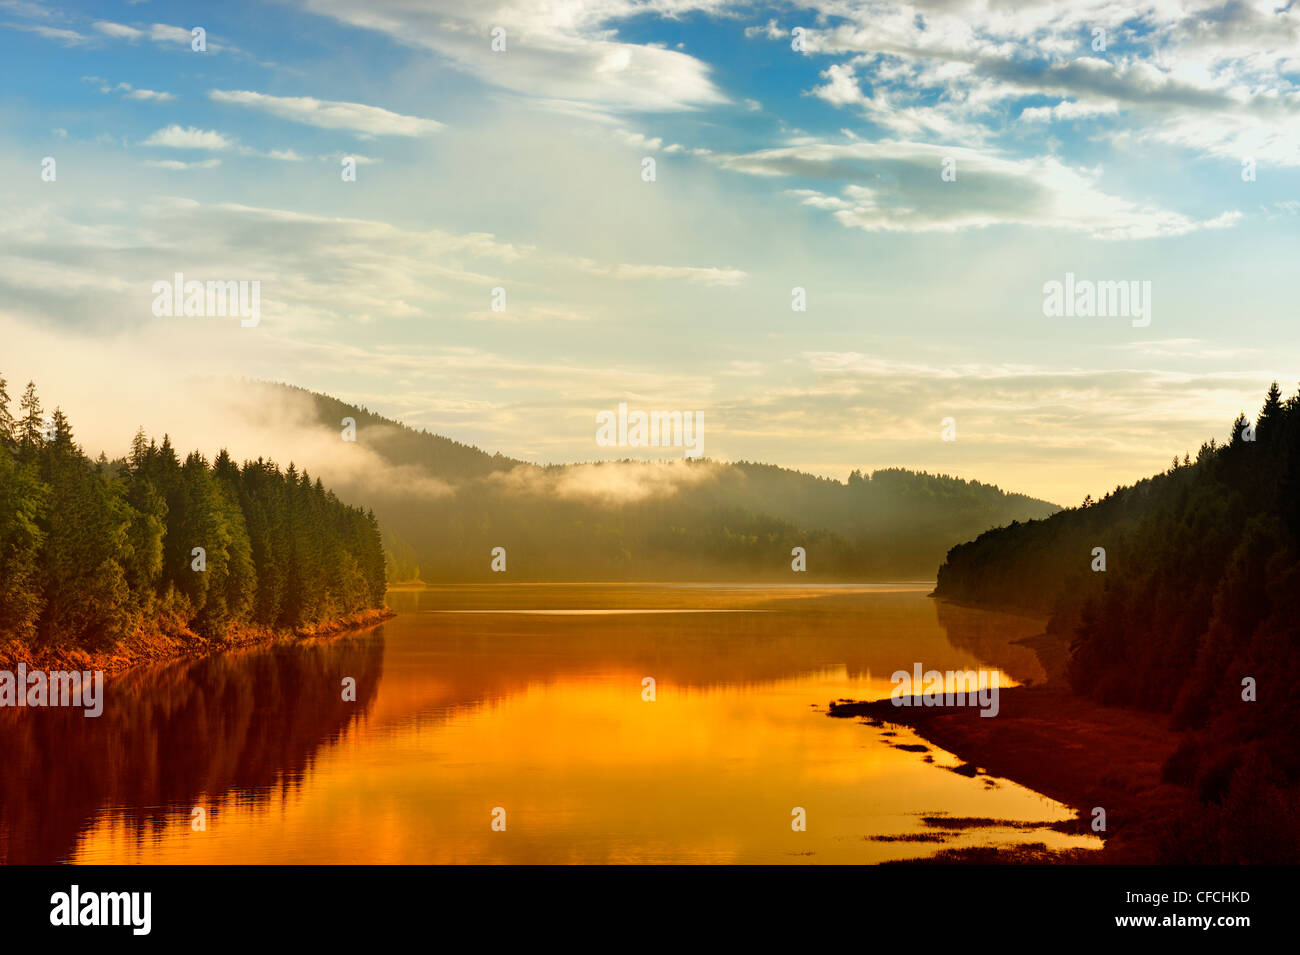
7 422
24 501
1270 415
31 423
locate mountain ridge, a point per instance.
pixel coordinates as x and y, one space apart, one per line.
658 519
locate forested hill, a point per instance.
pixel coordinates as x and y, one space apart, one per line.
1200 592
447 459
92 553
636 520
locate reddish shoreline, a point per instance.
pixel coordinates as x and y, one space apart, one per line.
1065 747
156 646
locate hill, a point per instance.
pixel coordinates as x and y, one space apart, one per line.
1194 613
637 520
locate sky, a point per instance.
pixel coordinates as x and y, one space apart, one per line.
920 171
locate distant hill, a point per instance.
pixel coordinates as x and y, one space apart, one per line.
635 520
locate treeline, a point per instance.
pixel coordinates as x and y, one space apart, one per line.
637 520
699 520
1197 608
93 551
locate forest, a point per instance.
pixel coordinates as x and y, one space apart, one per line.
654 520
1195 615
92 552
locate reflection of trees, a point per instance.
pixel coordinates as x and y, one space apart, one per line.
991 637
246 726
239 726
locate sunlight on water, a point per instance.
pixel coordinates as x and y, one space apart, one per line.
540 711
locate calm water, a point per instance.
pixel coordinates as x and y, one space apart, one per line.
529 698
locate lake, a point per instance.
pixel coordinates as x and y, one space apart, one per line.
527 706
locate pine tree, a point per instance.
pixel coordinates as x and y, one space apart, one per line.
31 423
1270 415
24 501
144 561
1238 429
85 588
7 422
62 433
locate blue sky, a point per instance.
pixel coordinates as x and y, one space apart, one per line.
775 168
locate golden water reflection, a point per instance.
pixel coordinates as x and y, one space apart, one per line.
541 714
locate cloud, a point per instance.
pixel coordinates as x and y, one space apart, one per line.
177 137
608 483
118 31
179 164
355 157
129 92
1176 74
1193 348
1067 110
327 114
531 313
316 272
698 274
163 33
896 187
66 37
561 53
155 96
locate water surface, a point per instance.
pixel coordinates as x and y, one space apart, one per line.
530 699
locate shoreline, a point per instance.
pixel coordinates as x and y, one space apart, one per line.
1063 746
154 645
996 606
750 581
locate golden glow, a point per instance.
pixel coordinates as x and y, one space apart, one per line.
543 716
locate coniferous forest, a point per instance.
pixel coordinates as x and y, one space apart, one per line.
706 520
92 552
1196 614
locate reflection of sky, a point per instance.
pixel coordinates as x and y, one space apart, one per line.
549 723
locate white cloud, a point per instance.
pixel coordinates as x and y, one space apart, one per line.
1067 110
162 33
896 186
119 31
180 164
1210 77
66 37
327 114
188 137
697 274
155 96
564 53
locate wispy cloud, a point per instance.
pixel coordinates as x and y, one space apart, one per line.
327 114
62 35
561 53
181 164
188 137
898 187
